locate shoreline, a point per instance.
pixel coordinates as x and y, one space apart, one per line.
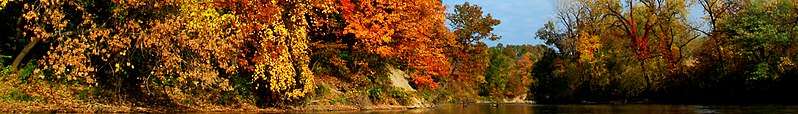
28 107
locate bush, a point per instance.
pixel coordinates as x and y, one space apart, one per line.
375 93
4 70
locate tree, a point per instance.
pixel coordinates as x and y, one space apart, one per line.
652 19
176 46
278 31
497 73
470 25
410 32
762 42
552 37
469 55
599 38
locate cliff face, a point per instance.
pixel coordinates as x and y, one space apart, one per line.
399 79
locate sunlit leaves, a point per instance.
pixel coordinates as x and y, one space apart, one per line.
279 32
188 44
410 31
3 4
68 58
588 46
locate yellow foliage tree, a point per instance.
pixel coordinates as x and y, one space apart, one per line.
280 32
588 45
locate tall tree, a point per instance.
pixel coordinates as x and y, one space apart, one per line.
469 55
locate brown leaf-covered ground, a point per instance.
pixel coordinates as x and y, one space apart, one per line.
42 96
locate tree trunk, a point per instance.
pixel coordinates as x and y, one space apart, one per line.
18 59
648 91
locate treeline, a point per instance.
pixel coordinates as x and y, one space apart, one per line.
200 53
196 53
609 50
264 52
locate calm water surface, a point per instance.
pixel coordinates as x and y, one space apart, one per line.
583 108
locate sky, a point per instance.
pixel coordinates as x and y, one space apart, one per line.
520 19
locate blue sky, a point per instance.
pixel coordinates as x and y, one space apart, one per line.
522 18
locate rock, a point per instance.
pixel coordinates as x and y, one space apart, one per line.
398 79
517 99
417 103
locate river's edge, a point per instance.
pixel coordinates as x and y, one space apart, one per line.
106 108
312 108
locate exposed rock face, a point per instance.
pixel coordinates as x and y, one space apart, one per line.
520 99
399 79
517 99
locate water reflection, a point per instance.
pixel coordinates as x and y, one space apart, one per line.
583 108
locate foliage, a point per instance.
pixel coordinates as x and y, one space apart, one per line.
365 34
510 70
3 4
276 52
469 56
169 46
18 95
496 75
648 49
748 51
470 25
4 70
388 95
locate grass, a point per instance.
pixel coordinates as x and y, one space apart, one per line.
26 72
339 100
383 94
16 95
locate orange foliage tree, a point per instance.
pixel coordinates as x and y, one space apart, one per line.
410 31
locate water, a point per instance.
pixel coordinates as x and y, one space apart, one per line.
588 108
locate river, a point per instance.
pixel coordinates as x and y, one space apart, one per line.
585 108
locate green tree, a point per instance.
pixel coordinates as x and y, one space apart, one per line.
470 25
763 37
550 35
496 75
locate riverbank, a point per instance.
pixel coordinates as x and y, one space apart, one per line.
60 98
521 99
34 107
28 107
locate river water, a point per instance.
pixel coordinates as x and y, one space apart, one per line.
586 108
